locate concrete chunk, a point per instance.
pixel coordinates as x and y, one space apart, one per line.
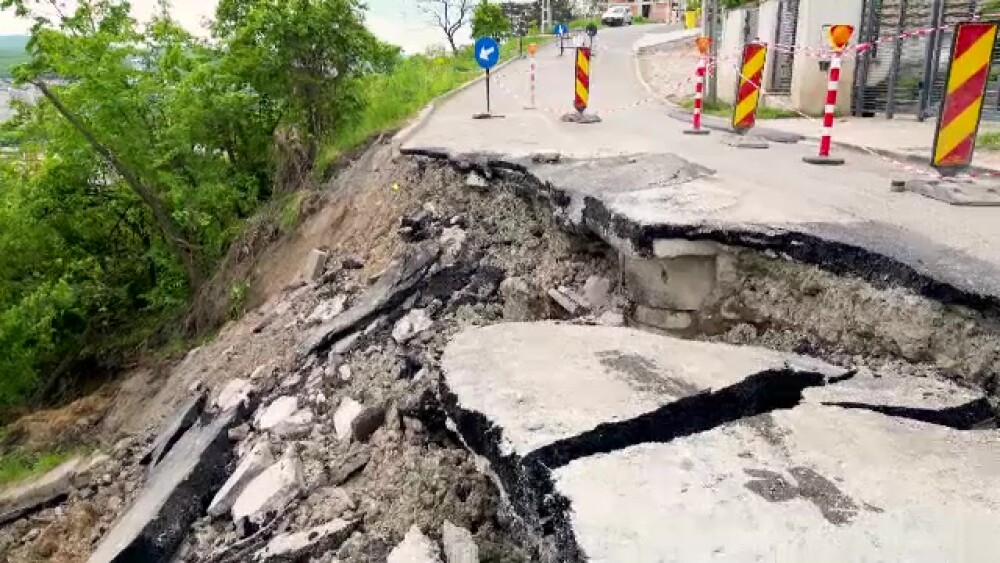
415 548
315 264
279 410
412 324
234 393
343 419
270 491
316 541
255 462
459 546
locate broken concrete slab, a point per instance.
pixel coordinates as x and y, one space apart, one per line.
259 458
475 181
327 310
597 292
270 491
459 545
415 548
572 378
183 418
395 284
412 324
174 495
789 485
24 498
316 541
953 191
569 300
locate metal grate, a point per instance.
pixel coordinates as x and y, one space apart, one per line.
781 71
751 19
906 76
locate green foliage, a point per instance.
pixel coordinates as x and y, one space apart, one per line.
722 109
18 466
989 140
238 299
488 20
146 157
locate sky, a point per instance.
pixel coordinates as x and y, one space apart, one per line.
397 21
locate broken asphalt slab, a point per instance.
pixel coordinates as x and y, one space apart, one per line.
561 410
813 483
399 279
174 495
24 498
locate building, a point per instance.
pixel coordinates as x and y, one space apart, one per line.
655 10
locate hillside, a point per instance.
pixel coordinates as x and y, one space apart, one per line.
11 52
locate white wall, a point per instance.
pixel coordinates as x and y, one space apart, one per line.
730 46
809 83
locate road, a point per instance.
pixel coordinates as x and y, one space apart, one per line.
630 162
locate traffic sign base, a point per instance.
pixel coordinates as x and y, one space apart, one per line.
530 107
744 141
487 116
953 191
696 131
580 117
823 160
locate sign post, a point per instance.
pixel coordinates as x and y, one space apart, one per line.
839 36
532 49
560 30
487 53
962 106
581 89
592 33
703 43
748 86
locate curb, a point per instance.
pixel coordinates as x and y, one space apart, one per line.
414 126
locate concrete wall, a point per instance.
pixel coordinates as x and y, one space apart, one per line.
730 47
809 83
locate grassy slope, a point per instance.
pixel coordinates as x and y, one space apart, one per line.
17 466
394 98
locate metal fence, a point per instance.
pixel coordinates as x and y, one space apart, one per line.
906 76
784 57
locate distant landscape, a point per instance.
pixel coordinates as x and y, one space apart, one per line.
12 52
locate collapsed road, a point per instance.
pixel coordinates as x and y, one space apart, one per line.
569 357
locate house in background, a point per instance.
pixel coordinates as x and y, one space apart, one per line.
654 10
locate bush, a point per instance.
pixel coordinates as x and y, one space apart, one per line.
488 21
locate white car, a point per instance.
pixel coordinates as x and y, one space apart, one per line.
617 15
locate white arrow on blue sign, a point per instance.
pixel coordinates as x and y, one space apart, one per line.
561 29
487 52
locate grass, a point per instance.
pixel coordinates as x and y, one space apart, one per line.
17 466
394 98
989 141
722 109
581 23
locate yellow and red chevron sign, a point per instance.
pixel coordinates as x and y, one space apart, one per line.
748 87
582 79
961 109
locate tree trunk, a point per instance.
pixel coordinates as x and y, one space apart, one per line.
168 228
451 41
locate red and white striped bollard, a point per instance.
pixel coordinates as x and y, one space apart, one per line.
699 88
532 49
839 37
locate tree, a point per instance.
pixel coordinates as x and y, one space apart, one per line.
304 56
449 15
488 20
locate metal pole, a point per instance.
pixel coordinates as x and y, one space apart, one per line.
897 53
930 62
487 91
713 76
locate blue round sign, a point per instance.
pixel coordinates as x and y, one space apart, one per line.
561 29
487 52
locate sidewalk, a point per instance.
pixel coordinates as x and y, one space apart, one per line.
903 138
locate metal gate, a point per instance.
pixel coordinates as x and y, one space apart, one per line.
751 24
782 51
906 76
